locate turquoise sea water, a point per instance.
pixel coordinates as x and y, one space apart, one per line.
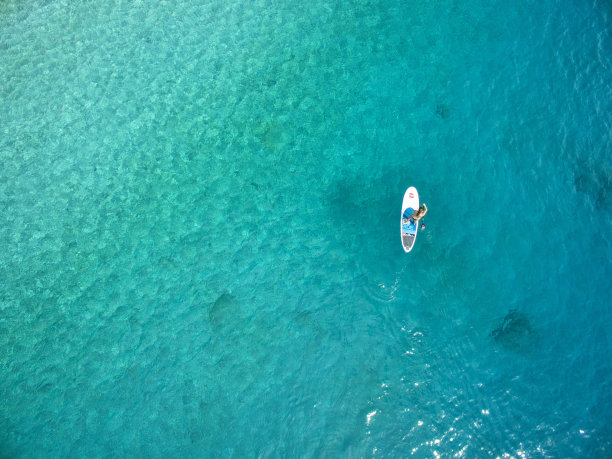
199 228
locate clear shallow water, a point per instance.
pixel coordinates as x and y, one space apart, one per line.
199 229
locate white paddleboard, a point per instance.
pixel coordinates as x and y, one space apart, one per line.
409 228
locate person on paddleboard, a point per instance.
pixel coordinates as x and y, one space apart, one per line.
419 214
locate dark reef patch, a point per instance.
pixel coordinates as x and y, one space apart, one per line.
442 110
223 307
515 332
594 180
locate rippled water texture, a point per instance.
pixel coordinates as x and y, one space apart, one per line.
199 245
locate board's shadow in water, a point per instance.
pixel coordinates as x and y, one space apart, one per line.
361 207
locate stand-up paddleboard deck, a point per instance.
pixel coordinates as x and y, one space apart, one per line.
409 229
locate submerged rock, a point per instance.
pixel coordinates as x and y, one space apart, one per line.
223 307
595 180
515 331
442 110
